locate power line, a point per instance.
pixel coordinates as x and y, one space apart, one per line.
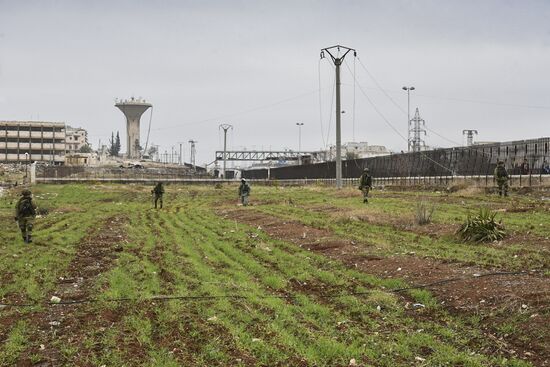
394 128
405 112
377 110
380 87
253 109
148 131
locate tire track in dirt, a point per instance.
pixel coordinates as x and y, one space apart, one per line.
493 297
65 324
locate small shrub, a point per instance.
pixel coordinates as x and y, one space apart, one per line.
423 213
482 227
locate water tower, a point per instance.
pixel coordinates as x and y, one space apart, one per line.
133 109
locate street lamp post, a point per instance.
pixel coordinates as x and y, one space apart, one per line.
408 89
299 124
27 167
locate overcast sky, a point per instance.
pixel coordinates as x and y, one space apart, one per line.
481 65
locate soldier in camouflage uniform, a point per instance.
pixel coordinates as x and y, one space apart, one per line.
25 212
244 192
158 192
501 177
365 184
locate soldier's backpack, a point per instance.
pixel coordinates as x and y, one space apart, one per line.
501 171
26 209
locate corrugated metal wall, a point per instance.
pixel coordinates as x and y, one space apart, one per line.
520 157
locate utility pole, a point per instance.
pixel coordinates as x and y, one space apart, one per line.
192 157
338 59
469 136
408 89
299 124
225 127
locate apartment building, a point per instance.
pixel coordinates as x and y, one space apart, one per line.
29 141
75 139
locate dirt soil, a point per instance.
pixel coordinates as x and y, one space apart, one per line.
64 324
494 298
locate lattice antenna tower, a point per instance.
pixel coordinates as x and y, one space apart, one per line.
418 127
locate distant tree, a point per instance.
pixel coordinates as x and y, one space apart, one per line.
152 151
85 149
138 147
114 145
117 143
352 155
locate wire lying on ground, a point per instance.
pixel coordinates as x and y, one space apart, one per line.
192 298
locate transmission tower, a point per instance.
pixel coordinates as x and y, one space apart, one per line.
469 136
338 59
225 127
192 157
417 130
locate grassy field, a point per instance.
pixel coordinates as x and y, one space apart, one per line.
191 286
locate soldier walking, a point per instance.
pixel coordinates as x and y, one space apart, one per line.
365 184
25 213
244 192
501 177
158 192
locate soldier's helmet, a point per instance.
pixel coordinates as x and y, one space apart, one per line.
365 169
26 192
500 163
243 179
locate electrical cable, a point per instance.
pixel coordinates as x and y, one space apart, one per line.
253 109
320 103
393 127
404 112
354 84
380 87
148 131
244 296
327 141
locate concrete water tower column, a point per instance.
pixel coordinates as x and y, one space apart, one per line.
133 109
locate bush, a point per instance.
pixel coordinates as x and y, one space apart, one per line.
482 227
423 213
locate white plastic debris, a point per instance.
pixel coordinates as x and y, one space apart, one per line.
55 299
42 347
420 359
352 362
255 340
213 318
418 305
